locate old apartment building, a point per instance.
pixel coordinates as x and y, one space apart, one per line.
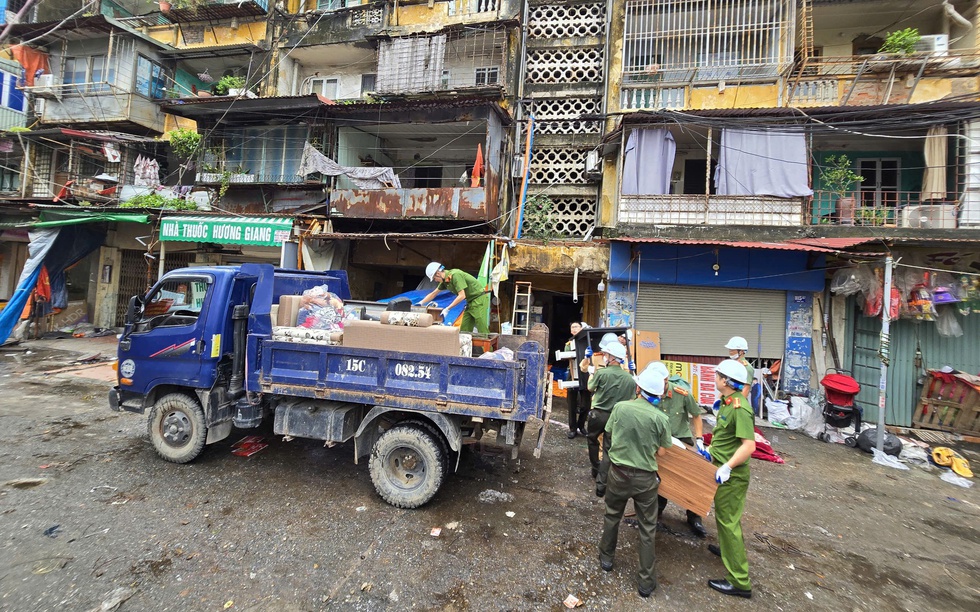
659 164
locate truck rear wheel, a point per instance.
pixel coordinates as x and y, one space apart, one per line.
406 466
433 431
176 427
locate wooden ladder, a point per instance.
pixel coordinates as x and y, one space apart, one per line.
520 320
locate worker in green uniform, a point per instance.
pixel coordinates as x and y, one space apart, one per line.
637 434
732 444
610 385
737 348
684 415
467 289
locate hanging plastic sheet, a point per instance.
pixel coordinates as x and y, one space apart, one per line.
57 248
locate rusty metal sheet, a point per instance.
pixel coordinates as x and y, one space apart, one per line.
467 204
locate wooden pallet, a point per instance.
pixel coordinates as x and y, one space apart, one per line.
949 405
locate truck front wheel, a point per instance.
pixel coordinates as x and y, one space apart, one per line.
406 466
176 427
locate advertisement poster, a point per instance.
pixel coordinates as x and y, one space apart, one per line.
704 384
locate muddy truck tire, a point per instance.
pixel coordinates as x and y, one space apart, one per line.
430 428
407 466
176 427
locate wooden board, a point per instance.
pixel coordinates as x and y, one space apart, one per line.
647 348
687 479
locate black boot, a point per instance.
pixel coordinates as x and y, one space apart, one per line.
697 528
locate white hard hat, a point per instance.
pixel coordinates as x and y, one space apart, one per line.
730 368
607 338
737 343
660 368
432 268
650 380
616 350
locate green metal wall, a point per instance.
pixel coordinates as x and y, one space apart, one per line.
902 392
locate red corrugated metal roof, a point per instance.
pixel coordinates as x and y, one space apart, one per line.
819 245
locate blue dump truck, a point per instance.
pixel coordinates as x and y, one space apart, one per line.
199 354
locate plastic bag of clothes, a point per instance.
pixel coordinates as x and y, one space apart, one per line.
321 309
854 280
501 354
947 325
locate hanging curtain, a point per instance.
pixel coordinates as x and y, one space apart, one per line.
767 162
648 161
934 177
362 177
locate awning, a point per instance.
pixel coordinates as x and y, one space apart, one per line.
74 217
813 245
253 231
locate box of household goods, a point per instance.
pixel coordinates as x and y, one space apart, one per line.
434 340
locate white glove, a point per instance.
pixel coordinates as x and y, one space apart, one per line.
430 304
444 314
723 474
699 444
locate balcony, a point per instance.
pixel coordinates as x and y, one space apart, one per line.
884 209
213 10
701 209
882 78
445 203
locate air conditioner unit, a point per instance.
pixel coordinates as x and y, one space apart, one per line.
46 85
930 216
593 162
517 168
936 44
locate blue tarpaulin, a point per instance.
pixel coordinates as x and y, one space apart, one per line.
57 248
442 299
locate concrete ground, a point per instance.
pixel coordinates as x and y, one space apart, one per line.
89 513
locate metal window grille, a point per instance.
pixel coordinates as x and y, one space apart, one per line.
673 41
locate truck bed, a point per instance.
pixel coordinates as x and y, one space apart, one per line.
507 390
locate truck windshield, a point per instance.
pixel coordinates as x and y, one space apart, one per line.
176 301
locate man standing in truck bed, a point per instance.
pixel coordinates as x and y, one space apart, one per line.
468 289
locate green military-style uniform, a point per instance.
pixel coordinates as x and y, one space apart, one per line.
477 310
736 422
636 430
679 406
609 385
750 372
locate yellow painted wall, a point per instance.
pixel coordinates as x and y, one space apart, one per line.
734 96
247 32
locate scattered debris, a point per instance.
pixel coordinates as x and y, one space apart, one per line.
25 483
951 478
435 532
248 446
94 489
366 586
361 509
452 526
809 595
49 564
52 531
882 458
114 599
510 514
229 604
572 602
491 496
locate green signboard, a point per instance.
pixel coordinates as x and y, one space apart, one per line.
254 231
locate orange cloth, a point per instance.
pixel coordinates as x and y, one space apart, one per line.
35 62
477 167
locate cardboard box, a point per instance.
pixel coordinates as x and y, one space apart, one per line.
288 309
687 479
435 340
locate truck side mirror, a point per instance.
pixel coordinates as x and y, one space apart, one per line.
134 309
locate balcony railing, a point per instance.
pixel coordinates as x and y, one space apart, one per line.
218 9
884 209
652 97
700 209
465 204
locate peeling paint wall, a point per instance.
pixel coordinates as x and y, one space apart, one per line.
590 259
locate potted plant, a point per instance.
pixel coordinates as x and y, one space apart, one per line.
229 85
838 178
241 174
901 42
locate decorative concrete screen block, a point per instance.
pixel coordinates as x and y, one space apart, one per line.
407 319
565 65
560 115
566 20
435 340
550 165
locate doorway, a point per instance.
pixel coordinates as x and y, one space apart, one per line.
880 188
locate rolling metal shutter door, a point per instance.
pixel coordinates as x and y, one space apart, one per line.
700 320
